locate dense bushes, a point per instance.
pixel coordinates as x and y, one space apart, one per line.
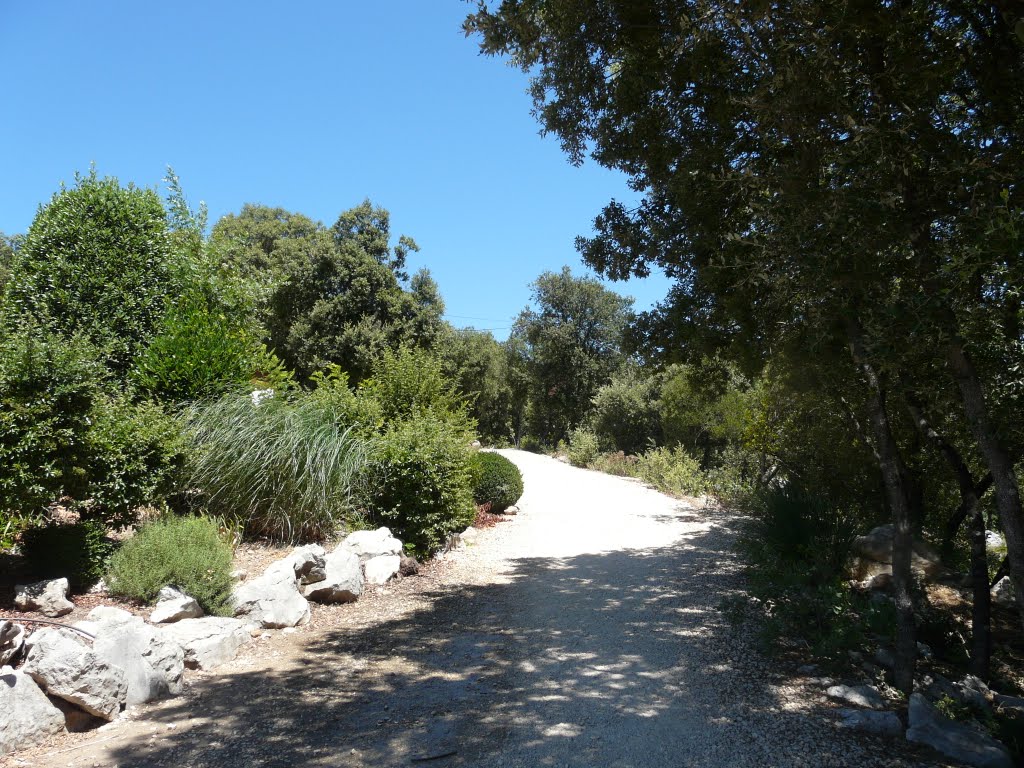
496 481
583 447
77 552
418 481
96 262
280 467
187 552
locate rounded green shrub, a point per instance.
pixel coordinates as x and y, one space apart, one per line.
187 552
418 482
496 481
77 552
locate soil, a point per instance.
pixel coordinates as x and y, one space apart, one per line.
585 631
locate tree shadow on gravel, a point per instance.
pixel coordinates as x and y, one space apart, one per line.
610 659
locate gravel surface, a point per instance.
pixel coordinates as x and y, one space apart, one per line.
585 631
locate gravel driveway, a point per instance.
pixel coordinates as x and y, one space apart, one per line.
584 632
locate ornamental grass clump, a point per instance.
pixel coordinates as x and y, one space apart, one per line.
186 552
276 467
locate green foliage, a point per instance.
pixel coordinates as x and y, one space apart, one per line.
480 368
13 526
282 469
671 470
47 390
496 480
199 352
583 447
571 344
626 411
96 263
409 381
133 457
616 463
355 409
77 552
64 436
418 481
185 552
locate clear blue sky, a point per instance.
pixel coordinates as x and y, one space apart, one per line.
311 106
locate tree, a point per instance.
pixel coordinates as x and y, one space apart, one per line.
572 340
9 245
814 176
97 261
479 366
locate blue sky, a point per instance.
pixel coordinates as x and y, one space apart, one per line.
310 106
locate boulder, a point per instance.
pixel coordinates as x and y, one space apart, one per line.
309 564
408 566
1003 593
63 665
154 664
50 598
174 605
12 641
272 600
512 510
369 544
956 741
28 716
343 582
857 695
380 569
878 723
208 642
872 556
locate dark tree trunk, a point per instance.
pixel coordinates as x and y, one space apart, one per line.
894 477
970 498
998 460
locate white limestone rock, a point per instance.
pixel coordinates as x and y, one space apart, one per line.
63 665
174 605
370 544
273 600
343 582
379 570
49 597
12 641
957 741
28 716
208 642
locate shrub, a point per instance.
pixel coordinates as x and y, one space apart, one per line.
408 381
617 463
496 480
418 482
47 390
583 447
77 552
355 409
281 468
671 470
96 262
198 352
187 552
134 453
626 412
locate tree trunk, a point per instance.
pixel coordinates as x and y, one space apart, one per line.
894 476
970 507
998 460
981 606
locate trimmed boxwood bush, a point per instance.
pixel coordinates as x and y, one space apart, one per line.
496 481
186 552
76 552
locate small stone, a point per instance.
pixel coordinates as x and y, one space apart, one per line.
174 605
469 536
408 566
512 510
49 597
369 544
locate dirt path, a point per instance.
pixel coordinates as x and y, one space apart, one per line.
585 632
